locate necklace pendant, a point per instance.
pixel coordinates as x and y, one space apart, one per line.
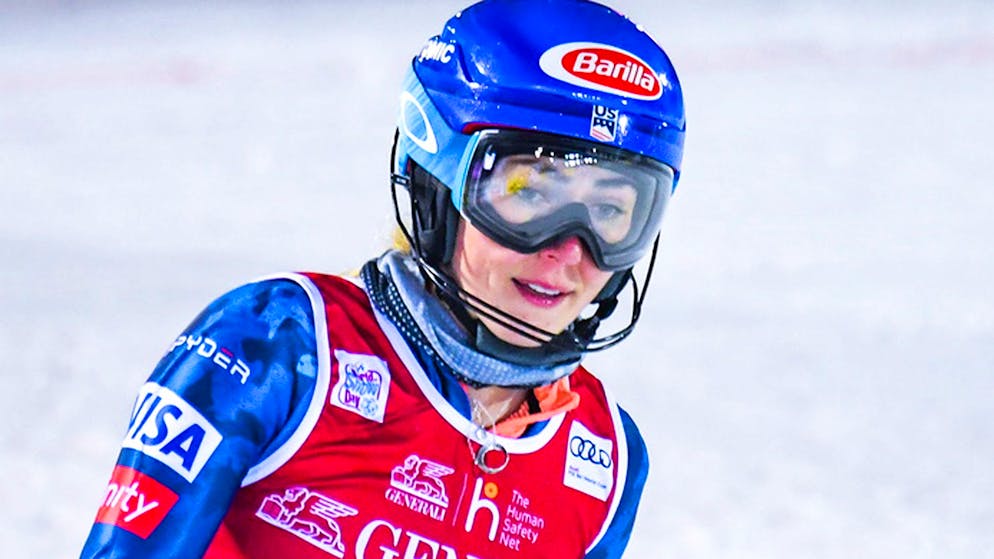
492 457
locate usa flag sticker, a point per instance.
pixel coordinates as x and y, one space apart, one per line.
604 123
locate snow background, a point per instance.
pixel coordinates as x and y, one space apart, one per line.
814 372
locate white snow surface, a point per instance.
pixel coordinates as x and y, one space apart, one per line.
813 374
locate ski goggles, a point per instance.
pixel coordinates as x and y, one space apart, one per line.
527 190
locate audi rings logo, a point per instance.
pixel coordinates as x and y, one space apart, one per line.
589 465
587 450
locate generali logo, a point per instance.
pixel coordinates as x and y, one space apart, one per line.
417 484
603 68
308 515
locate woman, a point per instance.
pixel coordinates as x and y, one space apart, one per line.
434 406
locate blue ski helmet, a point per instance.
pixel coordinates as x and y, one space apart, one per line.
553 66
574 74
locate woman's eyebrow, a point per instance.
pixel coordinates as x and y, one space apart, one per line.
615 182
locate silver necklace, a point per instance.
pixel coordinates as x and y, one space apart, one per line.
491 456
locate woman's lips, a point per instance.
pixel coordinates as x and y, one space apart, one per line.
539 293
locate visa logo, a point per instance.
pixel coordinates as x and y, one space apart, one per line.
167 428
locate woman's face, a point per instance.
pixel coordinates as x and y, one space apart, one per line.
548 288
551 287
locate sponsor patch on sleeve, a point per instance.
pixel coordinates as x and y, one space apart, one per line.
135 502
589 465
167 428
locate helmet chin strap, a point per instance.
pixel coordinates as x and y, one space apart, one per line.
488 343
567 350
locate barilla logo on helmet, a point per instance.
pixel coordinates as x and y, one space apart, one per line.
604 68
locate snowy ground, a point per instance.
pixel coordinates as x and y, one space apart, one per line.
820 338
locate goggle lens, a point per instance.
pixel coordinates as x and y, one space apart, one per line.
526 190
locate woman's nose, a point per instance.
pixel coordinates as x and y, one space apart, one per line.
569 251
